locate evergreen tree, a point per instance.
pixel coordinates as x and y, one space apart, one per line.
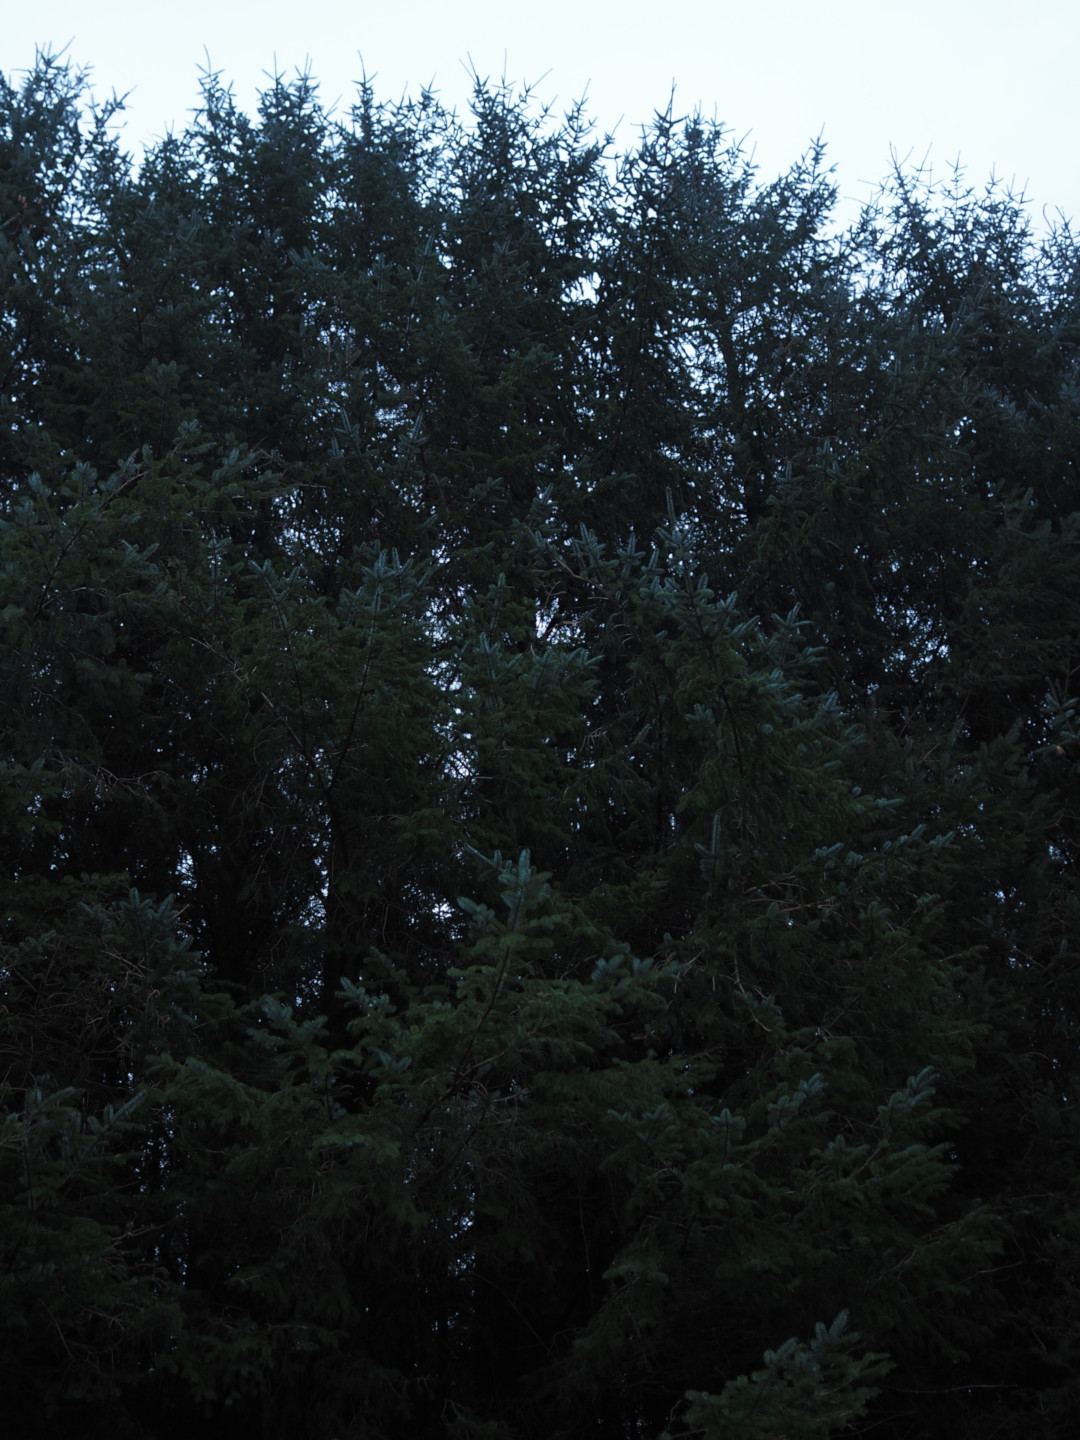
539 784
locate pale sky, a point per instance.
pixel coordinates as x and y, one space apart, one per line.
993 84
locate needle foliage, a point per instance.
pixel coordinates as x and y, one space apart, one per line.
538 785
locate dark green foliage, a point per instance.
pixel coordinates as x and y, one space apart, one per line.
539 786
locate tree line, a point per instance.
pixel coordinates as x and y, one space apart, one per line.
539 784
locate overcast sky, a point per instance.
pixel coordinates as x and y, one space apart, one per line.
993 84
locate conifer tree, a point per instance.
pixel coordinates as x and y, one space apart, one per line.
539 784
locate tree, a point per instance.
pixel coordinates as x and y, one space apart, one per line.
540 777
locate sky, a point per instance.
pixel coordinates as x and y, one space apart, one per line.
989 84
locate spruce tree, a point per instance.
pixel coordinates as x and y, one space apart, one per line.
539 784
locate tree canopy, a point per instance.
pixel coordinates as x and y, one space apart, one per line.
539 784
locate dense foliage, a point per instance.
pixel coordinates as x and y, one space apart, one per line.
539 786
